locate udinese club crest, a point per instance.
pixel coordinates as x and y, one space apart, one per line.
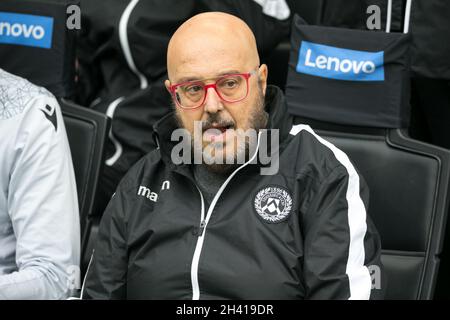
273 204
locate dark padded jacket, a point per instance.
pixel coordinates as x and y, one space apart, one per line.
300 233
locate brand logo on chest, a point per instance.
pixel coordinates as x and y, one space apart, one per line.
273 204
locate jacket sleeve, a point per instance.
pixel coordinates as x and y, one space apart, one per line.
107 273
342 247
43 207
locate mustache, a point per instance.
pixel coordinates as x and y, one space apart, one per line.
214 121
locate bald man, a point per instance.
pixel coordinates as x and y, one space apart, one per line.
235 203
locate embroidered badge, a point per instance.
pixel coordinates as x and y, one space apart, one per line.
273 204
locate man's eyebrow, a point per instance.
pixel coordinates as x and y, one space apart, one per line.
186 79
224 73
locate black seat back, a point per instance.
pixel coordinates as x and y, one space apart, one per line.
37 44
87 131
408 183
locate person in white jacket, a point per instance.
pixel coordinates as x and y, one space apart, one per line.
39 218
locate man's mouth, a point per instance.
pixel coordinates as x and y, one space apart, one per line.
217 132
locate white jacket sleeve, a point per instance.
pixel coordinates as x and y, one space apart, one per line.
43 207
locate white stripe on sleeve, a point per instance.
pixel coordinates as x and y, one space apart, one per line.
360 282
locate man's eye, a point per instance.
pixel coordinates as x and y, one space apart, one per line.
229 84
193 89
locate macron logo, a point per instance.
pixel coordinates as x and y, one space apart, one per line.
26 30
143 191
146 192
342 64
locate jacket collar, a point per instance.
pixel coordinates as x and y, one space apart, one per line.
275 106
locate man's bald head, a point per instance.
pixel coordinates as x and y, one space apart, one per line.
213 63
211 38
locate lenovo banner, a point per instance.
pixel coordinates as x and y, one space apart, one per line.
36 44
348 77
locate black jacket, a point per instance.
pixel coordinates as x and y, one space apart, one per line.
301 233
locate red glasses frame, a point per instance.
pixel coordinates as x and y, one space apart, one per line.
173 88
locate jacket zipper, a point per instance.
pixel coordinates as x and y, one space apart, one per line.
202 227
85 276
204 224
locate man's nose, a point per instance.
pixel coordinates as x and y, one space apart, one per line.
213 103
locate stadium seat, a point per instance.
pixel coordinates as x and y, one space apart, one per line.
46 56
277 63
409 186
87 131
278 60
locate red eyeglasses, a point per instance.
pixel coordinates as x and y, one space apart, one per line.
230 88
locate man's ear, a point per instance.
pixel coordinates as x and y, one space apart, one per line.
167 84
263 73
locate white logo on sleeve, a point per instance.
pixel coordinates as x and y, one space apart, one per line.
146 192
273 204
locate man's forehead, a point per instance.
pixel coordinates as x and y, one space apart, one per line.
216 24
208 64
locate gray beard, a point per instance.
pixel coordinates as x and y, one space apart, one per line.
257 121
